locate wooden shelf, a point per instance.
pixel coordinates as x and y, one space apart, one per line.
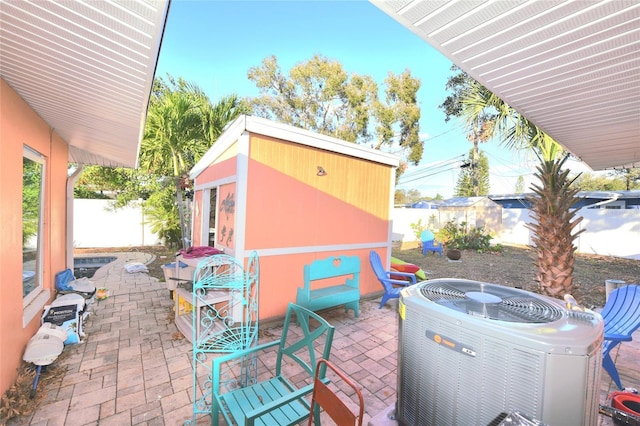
184 311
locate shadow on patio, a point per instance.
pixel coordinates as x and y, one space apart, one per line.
134 367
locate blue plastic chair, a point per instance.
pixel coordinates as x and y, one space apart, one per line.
388 283
621 315
429 243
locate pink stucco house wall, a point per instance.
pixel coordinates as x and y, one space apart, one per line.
20 126
74 94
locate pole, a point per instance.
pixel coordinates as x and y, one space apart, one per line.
181 212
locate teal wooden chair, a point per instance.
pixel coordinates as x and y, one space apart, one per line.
275 398
621 315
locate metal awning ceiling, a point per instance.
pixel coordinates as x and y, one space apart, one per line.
571 67
86 68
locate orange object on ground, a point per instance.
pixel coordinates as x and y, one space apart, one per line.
410 268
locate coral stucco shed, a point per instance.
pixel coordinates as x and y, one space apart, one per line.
293 196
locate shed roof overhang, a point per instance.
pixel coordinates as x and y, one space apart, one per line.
571 67
286 132
87 69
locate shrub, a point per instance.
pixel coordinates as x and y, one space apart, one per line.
417 228
459 236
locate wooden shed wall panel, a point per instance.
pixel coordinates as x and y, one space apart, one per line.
222 167
281 276
363 184
296 208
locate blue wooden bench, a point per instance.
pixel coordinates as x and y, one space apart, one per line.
343 270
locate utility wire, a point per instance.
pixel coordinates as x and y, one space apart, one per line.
431 167
425 176
429 138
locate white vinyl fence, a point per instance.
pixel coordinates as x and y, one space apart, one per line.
607 232
94 225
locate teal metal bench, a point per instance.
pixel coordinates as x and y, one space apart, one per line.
345 270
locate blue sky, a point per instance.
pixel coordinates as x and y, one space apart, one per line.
214 43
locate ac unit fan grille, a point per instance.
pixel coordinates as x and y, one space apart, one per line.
491 301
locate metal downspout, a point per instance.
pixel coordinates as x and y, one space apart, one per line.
71 182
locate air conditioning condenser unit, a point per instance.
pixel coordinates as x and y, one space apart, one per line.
471 351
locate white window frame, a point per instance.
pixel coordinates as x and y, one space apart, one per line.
35 156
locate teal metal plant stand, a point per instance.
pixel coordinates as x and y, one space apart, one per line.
225 320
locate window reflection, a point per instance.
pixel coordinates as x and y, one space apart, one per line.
32 196
212 216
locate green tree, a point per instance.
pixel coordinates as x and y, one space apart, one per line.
400 196
472 183
554 226
161 211
519 185
181 126
319 95
31 192
625 179
103 182
413 195
630 176
410 196
480 123
553 200
122 185
591 182
457 84
174 132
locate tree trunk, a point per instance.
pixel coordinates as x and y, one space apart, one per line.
474 168
184 239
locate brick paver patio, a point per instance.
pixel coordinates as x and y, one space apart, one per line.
133 367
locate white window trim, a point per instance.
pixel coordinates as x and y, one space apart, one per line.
35 300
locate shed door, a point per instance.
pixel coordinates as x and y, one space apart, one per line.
209 203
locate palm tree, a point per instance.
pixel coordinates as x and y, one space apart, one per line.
477 109
553 229
216 117
553 199
173 131
173 134
182 124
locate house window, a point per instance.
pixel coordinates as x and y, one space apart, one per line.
33 164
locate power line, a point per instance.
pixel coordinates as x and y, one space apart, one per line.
433 166
427 175
511 166
428 138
